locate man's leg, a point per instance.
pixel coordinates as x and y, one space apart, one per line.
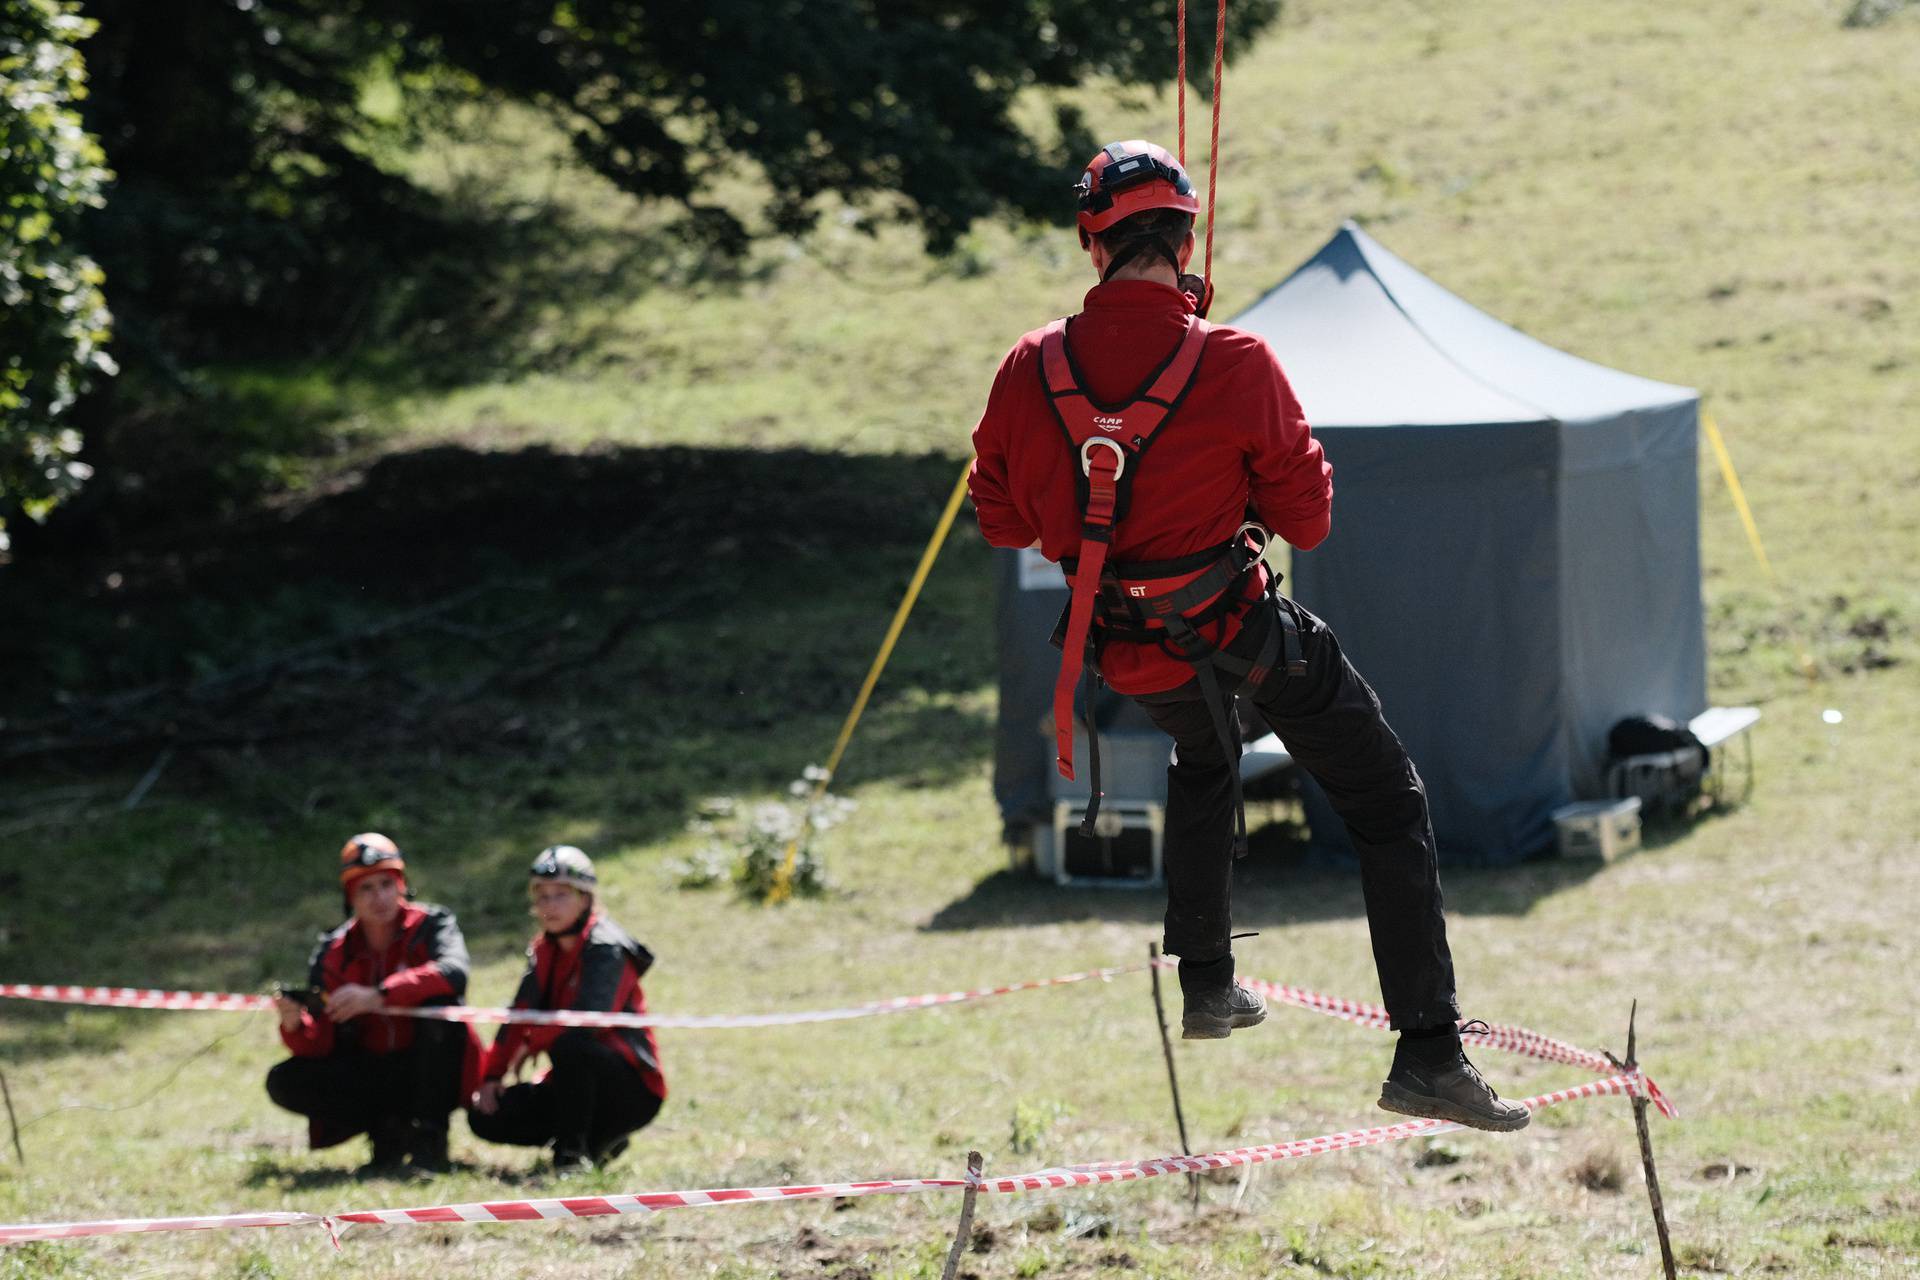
1198 862
341 1095
601 1099
1331 723
625 1105
434 1065
524 1118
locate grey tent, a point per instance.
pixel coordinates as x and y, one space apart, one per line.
1514 561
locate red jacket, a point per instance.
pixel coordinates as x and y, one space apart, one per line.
426 963
1239 439
602 973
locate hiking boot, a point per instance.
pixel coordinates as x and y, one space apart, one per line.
610 1152
428 1148
389 1158
1432 1078
569 1162
1215 1004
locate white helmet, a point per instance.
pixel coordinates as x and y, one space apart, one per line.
564 864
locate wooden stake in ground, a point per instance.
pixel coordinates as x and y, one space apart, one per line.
1639 1100
1173 1081
13 1122
964 1235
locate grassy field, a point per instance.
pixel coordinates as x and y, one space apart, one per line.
1725 195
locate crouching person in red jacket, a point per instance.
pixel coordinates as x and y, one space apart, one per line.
603 1083
355 1068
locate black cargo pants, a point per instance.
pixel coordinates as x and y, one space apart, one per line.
590 1099
1330 722
351 1091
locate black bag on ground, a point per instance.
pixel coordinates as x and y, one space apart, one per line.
1650 735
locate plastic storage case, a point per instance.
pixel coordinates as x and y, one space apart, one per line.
1602 829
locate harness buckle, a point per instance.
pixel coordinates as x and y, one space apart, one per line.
1086 455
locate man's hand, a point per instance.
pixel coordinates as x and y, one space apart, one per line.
291 1013
352 1000
486 1099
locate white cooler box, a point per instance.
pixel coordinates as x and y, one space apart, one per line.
1602 829
1125 850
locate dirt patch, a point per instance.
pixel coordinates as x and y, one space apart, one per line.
1598 1170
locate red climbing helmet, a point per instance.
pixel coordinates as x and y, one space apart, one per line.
367 854
1128 177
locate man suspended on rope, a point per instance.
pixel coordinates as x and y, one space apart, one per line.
355 1069
603 1084
1149 455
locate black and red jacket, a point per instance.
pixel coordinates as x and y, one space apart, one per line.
602 973
426 963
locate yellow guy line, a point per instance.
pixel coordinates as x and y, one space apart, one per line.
783 887
1732 478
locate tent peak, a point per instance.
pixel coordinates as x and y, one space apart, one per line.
1375 340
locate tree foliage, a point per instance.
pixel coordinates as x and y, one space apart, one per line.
263 209
53 317
250 202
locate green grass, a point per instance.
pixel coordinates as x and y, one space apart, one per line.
1722 195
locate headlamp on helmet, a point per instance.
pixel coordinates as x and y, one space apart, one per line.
368 853
1126 178
564 864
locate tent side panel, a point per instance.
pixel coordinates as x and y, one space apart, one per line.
1632 621
1440 580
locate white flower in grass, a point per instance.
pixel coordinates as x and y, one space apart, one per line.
775 820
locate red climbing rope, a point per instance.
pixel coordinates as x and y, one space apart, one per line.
1213 148
1180 74
1180 77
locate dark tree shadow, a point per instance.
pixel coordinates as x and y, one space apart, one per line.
478 647
288 1175
294 1177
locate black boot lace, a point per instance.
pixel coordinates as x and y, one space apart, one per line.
1471 1027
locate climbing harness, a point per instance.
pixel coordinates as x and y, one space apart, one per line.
1163 602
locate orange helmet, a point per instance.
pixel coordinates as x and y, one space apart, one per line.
1128 177
367 853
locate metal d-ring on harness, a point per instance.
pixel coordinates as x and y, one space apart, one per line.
1161 602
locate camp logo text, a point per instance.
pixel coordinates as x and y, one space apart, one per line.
1108 424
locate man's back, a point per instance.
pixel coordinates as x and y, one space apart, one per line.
1237 439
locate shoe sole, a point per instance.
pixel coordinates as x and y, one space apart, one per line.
1395 1099
1201 1028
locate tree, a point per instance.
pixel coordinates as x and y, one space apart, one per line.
53 317
249 188
260 210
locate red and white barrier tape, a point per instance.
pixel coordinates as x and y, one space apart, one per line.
144 998
658 1201
1497 1036
137 997
25 1231
1511 1039
1624 1084
873 1008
